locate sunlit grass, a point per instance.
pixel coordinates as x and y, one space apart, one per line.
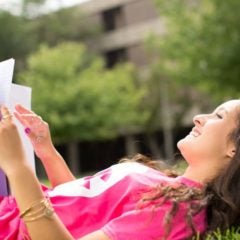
230 234
180 166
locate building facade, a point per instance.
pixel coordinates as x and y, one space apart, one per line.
125 25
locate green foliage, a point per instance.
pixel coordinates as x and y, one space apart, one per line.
15 37
229 234
25 2
67 24
201 46
21 36
31 7
79 98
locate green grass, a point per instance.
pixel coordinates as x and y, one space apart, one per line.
180 166
230 234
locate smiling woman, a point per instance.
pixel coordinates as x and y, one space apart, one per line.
208 147
130 200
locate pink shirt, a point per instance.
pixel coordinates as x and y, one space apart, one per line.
108 201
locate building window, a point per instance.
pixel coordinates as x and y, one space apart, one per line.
116 56
113 18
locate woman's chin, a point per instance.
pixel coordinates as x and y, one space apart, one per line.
183 142
184 145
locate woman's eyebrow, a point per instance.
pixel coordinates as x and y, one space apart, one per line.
222 109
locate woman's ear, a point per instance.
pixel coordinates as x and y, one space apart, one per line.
231 152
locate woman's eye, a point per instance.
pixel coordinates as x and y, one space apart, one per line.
219 115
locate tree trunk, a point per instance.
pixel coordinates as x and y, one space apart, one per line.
166 120
73 155
154 147
131 145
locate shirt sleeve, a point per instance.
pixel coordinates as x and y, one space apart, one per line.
148 224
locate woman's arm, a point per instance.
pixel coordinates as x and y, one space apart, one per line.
98 235
40 137
26 189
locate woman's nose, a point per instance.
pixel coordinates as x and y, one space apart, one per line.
199 119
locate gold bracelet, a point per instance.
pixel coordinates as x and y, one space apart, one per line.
38 210
46 213
33 205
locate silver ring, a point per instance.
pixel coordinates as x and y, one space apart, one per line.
38 139
7 116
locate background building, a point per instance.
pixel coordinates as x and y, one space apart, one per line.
125 25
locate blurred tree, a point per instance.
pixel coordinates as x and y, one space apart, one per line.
80 94
15 37
53 27
66 24
26 2
201 46
21 35
31 8
79 98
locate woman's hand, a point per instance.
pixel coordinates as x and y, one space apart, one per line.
37 131
11 149
39 134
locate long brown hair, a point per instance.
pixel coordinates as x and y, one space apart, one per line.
224 207
176 194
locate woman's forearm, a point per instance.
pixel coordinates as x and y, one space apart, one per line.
26 189
56 168
39 134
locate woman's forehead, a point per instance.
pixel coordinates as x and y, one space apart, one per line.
229 105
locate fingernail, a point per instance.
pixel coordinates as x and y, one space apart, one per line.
27 130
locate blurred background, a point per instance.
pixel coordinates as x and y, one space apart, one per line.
118 77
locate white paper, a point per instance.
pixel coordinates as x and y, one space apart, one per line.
10 95
6 74
22 95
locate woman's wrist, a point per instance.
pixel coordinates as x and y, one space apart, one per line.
44 153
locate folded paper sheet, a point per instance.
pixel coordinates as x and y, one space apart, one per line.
10 95
6 74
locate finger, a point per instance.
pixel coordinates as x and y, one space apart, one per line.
20 119
35 138
24 123
29 124
6 115
32 119
22 110
30 134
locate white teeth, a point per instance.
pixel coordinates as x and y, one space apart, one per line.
195 134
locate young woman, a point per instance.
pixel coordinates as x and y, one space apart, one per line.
129 200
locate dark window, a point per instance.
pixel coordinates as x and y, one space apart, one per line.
115 56
113 18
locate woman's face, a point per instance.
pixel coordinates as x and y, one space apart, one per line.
209 136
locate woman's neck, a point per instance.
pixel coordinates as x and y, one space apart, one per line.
201 174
